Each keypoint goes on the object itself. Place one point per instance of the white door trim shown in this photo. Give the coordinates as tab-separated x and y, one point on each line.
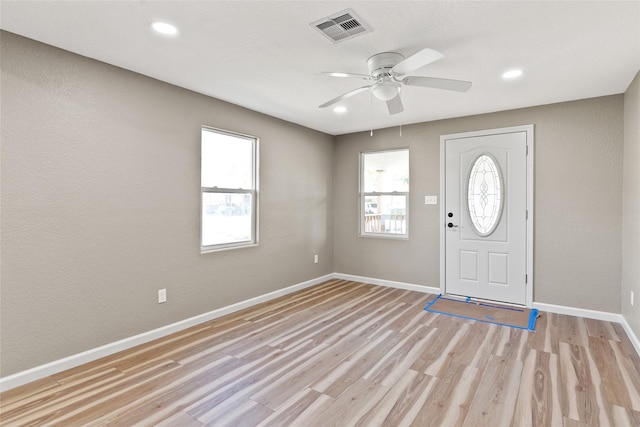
528	129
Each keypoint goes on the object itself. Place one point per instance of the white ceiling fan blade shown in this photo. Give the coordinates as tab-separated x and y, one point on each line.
358	76
344	96
395	105
420	59
437	83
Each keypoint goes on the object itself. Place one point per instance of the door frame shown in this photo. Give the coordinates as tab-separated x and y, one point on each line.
528	129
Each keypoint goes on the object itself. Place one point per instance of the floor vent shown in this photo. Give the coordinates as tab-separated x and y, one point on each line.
342	26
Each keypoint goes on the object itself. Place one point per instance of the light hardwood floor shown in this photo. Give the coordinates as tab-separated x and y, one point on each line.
345	353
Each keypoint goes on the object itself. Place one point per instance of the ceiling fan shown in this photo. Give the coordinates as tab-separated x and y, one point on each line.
389	72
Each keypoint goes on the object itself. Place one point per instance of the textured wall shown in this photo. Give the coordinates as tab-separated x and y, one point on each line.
100	205
578	201
631	206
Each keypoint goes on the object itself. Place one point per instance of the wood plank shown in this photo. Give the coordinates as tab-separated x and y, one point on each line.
629	372
538	401
512	343
445	358
181	419
486	346
572	330
352	405
438	344
397	361
237	387
405	395
249	413
277	392
448	401
314	324
292	409
349	353
17	394
347	372
552	337
598	329
537	339
628	347
579	393
470	349
307	416
495	397
613	383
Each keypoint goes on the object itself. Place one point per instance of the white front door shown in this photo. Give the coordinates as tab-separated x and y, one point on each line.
485	215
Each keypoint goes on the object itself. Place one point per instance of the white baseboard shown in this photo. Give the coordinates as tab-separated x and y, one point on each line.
580	312
632	336
39	372
42	371
388	283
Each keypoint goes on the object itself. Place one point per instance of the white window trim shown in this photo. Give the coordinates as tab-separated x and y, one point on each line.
363	195
254	241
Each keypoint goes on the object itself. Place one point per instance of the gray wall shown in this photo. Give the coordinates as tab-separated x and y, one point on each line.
578	201
100	205
631	206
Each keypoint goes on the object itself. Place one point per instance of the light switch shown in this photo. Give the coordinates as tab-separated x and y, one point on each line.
430	200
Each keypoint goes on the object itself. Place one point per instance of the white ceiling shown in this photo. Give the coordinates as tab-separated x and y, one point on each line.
265	56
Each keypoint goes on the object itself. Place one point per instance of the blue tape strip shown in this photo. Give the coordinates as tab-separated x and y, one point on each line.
533	316
432	302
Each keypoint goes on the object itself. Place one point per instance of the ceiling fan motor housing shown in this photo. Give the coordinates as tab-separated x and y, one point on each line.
381	64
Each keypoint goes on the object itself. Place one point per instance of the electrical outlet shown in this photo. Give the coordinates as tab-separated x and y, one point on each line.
632	298
315	259
162	296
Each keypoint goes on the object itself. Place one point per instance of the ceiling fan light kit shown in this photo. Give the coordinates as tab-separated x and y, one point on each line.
386	90
389	70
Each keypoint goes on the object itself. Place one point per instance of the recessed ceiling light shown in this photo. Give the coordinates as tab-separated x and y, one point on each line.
164	28
511	74
340	109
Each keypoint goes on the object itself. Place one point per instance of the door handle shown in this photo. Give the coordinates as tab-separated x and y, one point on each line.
451	225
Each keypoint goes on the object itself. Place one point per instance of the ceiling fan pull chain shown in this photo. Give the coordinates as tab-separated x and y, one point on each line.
371	111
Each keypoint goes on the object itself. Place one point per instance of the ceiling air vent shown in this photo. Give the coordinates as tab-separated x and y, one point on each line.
342	26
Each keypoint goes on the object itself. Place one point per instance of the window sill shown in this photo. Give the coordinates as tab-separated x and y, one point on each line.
227	248
385	236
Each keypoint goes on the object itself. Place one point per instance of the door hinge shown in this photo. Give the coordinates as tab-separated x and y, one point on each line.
526	278
527	150
527	215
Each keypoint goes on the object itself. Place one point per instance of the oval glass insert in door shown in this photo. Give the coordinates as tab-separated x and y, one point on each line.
485	194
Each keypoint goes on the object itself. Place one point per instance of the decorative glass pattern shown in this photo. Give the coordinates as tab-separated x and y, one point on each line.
484	194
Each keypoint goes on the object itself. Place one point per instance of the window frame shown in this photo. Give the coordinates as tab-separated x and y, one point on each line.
363	196
253	241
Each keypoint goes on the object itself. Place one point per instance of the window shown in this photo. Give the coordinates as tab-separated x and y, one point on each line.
484	195
384	193
228	190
